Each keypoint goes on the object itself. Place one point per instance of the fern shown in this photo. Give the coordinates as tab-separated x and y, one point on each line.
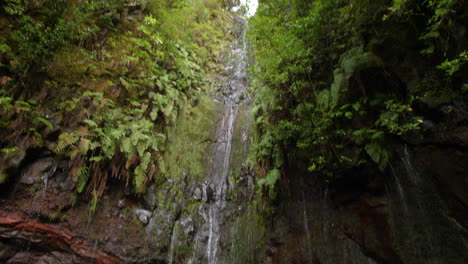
9	150
6	102
378	153
140	173
270	181
82	179
94	202
44	121
65	140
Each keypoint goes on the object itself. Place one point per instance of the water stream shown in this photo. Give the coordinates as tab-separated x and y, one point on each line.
232	91
216	186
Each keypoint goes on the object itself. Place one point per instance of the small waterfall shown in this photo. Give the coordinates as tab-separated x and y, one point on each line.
417	212
232	92
173	241
406	158
306	225
215	189
401	192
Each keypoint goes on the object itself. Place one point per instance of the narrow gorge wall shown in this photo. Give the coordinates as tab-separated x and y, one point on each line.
184	218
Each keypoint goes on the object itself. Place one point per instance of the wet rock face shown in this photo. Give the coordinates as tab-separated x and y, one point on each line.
40	170
6	251
418	218
150	200
447	167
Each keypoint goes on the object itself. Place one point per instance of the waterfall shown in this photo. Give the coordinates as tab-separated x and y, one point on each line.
417	212
232	92
306	226
215	189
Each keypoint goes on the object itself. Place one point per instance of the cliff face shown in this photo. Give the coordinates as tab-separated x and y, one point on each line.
188	213
412	213
362	182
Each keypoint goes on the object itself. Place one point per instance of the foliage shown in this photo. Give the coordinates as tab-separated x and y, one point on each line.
270	182
41	27
112	132
114	89
198	26
22	119
453	66
440	22
328	93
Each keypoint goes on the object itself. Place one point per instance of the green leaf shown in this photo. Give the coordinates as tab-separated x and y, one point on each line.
9	150
270	181
90	123
126	147
97	158
45	122
378	153
154	114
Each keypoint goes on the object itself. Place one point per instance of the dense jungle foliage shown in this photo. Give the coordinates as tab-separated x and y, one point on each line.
338	81
100	83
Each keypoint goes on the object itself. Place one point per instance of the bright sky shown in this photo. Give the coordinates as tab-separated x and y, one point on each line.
251	5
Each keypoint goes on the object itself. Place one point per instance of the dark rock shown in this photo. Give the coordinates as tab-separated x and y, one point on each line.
455	137
150	200
66	183
208	192
39	170
23	257
6	252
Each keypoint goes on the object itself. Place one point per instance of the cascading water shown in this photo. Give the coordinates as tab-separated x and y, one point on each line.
216	186
418	214
232	91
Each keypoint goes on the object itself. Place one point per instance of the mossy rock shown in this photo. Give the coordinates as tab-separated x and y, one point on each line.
70	64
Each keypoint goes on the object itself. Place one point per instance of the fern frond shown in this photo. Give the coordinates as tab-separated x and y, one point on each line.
45	122
94	202
65	140
82	179
139	179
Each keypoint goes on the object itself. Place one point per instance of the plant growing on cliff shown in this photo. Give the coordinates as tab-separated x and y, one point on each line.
270	181
113	135
317	106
